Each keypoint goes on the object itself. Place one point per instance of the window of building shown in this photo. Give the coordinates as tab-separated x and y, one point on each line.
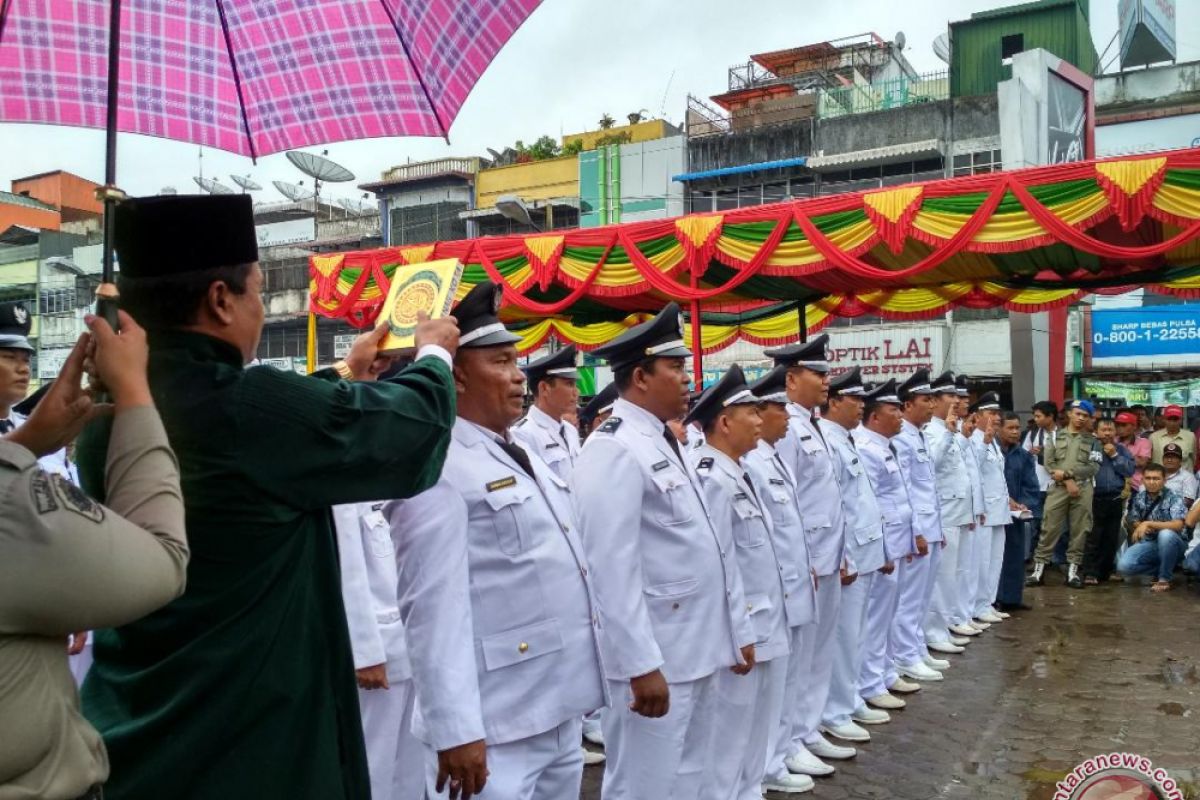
1011	45
979	163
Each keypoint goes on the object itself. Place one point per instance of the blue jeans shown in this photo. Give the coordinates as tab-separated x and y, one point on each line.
1153	556
1192	562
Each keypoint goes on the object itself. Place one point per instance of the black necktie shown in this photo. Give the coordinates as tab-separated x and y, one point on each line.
6	425
782	469
671	440
817	428
892	447
518	455
750	486
921	433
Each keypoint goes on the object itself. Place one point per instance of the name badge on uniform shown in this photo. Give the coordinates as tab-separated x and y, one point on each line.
777	481
741	496
503	483
805	438
660	466
704	463
553	444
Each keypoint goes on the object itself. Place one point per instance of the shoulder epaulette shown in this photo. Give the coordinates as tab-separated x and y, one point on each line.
705	463
610	425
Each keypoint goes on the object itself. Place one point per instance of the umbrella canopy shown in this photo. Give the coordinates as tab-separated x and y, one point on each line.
253	77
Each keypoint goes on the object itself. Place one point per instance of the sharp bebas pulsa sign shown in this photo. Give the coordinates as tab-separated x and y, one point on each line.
887	352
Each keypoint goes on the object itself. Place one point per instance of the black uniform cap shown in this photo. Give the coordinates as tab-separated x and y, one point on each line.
772	387
731	390
170	234
478	325
600	403
15	322
960	385
944	383
848	384
555	365
812	355
883	393
661	337
988	401
917	384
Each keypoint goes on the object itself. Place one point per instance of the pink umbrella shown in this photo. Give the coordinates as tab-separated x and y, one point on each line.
250	76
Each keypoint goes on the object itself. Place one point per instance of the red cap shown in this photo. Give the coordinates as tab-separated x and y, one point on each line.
1173	411
1127	418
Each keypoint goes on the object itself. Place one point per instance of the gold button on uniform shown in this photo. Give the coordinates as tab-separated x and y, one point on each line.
522	647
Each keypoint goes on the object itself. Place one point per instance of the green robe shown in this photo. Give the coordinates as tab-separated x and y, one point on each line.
244	687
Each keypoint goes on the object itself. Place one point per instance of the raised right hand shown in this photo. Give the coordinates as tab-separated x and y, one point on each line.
651	695
443	332
464	768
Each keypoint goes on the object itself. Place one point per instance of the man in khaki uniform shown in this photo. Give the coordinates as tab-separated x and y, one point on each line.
1173	432
1072	462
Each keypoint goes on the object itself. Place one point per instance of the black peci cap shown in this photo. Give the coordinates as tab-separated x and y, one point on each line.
172	234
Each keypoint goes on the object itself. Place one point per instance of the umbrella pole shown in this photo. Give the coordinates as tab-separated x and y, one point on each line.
106	293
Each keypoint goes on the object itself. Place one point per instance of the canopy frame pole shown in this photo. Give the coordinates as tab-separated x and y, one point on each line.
697	350
310	349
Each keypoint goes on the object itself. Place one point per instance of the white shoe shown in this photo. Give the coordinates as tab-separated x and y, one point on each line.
591	759
991	617
901	686
822	748
865	715
849	732
959	641
1001	614
918	672
965	630
944	647
805	763
789	784
979	625
886	701
595	737
936	663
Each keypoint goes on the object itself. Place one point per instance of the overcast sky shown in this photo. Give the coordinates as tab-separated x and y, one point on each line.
570	63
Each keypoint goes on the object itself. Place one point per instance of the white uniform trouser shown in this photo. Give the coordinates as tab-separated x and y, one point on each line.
657	758
814	692
848	648
799	668
546	766
747	707
907	637
396	759
968	571
881	612
943	605
989	557
82	662
591	722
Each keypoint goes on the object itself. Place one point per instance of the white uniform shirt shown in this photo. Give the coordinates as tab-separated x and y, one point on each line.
971	459
55	463
666	578
787	532
736	502
1045	440
369	580
864	521
891	492
496	597
953	480
1183	483
556	443
818	494
917	466
991	480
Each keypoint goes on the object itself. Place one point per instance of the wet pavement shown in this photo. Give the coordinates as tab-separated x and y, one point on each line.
1106	669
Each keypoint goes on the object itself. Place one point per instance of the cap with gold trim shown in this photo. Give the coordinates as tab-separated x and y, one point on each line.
661	337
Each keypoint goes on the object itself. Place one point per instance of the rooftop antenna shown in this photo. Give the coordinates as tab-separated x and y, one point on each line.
321	170
212	187
246	184
662	113
291	191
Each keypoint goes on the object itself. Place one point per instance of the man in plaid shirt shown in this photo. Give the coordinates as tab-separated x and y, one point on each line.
1155	525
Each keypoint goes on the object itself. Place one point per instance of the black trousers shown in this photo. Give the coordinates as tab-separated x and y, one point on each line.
1101	551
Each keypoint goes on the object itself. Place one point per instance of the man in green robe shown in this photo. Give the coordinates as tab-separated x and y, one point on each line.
244	687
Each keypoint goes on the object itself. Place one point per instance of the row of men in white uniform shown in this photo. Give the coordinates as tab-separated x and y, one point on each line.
726	607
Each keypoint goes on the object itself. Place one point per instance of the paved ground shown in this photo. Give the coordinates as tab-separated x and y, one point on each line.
1105	669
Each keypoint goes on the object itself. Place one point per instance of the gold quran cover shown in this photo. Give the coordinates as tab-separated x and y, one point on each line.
428	287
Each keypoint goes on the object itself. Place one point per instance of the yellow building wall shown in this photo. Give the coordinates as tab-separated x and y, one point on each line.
537	180
19	272
641	132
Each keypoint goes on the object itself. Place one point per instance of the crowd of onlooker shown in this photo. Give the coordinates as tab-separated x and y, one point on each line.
1144	497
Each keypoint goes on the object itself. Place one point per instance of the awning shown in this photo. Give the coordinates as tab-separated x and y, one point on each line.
761	166
532	205
1028	240
891	154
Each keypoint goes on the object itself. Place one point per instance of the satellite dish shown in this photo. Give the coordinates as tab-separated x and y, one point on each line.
212	187
901	40
246	183
941	47
168	190
319	167
291	191
349	204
